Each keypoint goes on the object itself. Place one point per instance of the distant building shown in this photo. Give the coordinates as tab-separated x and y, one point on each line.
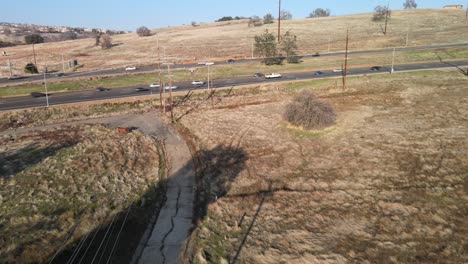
453	7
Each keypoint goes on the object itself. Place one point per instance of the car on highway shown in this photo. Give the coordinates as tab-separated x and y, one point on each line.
102	89
171	87
337	70
60	74
154	85
272	75
316	54
198	83
38	94
141	89
376	68
258	74
130	68
206	63
231	60
15	77
318	73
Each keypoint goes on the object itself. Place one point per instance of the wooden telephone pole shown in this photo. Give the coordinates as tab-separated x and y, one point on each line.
346	60
386	18
279	21
170	91
161	102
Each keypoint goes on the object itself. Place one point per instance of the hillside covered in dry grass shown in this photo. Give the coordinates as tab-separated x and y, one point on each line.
386	184
222	40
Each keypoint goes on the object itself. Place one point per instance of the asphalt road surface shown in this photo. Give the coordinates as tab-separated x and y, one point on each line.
152	68
130	91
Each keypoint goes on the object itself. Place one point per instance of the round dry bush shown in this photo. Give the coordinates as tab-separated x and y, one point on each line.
309	112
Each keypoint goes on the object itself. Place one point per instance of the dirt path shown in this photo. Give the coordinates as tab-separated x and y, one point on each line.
167	237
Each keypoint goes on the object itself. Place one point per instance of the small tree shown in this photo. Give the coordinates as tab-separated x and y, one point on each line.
7	32
255	21
289	46
265	46
309	112
285	15
33	39
97	37
143	31
225	18
410	4
320	12
380	12
195	24
69	35
268	19
30	68
106	41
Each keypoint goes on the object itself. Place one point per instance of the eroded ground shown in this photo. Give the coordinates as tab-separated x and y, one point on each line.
387	184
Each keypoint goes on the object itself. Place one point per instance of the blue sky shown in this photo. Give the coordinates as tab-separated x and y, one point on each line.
128	15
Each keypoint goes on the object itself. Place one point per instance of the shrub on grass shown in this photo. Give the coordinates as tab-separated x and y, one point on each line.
309	112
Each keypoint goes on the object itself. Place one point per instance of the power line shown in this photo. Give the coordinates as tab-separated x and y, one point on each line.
118	235
102	241
77	250
90	243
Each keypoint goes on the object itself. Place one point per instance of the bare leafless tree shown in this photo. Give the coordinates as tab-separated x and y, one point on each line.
410	4
106	41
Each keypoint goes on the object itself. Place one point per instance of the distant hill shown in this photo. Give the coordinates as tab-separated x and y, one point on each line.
13	33
234	39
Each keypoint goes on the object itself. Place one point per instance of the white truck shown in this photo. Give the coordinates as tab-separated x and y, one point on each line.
272	75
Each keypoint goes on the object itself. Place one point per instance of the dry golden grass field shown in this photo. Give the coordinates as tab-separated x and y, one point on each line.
386	184
74	180
219	41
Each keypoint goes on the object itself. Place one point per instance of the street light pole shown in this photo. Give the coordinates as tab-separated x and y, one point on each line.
45	86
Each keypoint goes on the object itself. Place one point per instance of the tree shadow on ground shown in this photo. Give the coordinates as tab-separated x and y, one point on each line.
120	239
15	161
217	169
460	69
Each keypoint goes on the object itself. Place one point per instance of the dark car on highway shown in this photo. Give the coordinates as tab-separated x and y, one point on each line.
60	74
102	89
141	89
38	94
316	54
318	73
230	60
259	74
376	68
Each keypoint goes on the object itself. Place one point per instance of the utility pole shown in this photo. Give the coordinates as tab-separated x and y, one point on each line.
34	54
279	20
407	36
346	60
393	61
208	77
386	17
253	50
63	64
9	67
45	85
170	91
466	14
161	102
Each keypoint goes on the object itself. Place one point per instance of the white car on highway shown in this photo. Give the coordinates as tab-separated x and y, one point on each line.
272	75
154	85
171	87
337	70
198	83
130	68
206	63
